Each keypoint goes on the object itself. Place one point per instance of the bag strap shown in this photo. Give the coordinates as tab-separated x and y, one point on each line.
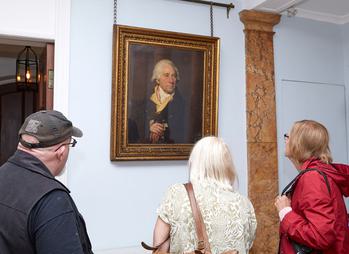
203	243
289	187
154	248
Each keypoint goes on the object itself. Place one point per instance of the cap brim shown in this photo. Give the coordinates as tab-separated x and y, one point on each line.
77	132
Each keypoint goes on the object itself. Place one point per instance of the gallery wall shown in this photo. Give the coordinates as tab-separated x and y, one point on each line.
345	40
119	199
309	61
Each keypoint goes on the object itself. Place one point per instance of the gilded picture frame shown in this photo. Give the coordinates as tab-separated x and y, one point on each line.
164	93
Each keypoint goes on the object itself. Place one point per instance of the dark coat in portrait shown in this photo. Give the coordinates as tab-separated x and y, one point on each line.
133	133
174	116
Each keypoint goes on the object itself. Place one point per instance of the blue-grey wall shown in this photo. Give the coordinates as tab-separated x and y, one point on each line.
345	40
119	199
309	57
308	50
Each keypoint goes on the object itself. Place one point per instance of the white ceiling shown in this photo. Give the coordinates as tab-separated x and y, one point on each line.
333	11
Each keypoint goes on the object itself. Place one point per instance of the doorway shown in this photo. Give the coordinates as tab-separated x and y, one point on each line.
327	105
17	102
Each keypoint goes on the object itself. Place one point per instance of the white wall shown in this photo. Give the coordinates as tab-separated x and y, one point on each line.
33	19
119	199
345	36
308	50
345	40
309	55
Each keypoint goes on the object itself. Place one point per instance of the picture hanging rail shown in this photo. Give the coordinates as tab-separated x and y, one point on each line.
211	3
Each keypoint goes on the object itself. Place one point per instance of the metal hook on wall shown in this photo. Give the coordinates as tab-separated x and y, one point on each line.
228	6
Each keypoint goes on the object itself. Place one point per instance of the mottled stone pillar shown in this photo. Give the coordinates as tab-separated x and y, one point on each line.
261	126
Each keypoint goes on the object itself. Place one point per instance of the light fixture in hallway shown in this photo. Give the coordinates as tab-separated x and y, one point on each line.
27	69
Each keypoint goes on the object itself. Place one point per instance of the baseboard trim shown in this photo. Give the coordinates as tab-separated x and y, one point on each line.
127	250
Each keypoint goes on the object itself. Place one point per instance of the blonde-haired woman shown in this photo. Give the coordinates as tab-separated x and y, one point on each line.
317	216
228	216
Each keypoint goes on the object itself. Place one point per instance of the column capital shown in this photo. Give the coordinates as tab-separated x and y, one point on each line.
260	21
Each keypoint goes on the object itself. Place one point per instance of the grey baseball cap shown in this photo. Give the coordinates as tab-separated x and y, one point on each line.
50	127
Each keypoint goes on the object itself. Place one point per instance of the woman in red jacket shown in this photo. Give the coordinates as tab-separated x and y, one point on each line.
313	213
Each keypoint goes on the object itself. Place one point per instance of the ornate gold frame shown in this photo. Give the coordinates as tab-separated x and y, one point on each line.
124	36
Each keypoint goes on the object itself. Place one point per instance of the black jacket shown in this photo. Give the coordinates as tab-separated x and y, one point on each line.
175	115
24	180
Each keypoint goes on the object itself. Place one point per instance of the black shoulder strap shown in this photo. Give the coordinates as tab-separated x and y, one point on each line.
289	187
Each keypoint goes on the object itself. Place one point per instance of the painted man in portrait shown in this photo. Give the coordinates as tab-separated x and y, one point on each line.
166	109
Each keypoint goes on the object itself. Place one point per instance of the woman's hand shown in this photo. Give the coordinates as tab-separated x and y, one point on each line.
281	202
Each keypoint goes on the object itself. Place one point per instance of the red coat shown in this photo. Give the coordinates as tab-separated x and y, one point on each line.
318	219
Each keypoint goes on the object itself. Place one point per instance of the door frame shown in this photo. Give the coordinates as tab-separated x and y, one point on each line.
59	34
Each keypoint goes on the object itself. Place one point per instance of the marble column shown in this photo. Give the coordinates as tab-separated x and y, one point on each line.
261	126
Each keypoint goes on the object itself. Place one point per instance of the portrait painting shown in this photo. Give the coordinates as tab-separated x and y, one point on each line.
164	93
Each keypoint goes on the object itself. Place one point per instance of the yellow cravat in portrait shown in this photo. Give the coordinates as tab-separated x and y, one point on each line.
160	101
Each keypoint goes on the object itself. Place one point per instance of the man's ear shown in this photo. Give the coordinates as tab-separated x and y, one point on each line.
60	152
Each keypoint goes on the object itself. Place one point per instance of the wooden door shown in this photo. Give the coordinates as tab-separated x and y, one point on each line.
46	78
17	103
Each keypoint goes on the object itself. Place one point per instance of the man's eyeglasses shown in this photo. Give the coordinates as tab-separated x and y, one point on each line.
71	144
286	136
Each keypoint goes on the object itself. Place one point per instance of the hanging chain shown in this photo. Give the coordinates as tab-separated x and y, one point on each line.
115	11
211	17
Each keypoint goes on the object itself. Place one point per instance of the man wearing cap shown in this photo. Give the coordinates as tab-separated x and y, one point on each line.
37	214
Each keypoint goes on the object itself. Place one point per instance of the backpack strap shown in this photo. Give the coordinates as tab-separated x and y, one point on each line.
289	187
